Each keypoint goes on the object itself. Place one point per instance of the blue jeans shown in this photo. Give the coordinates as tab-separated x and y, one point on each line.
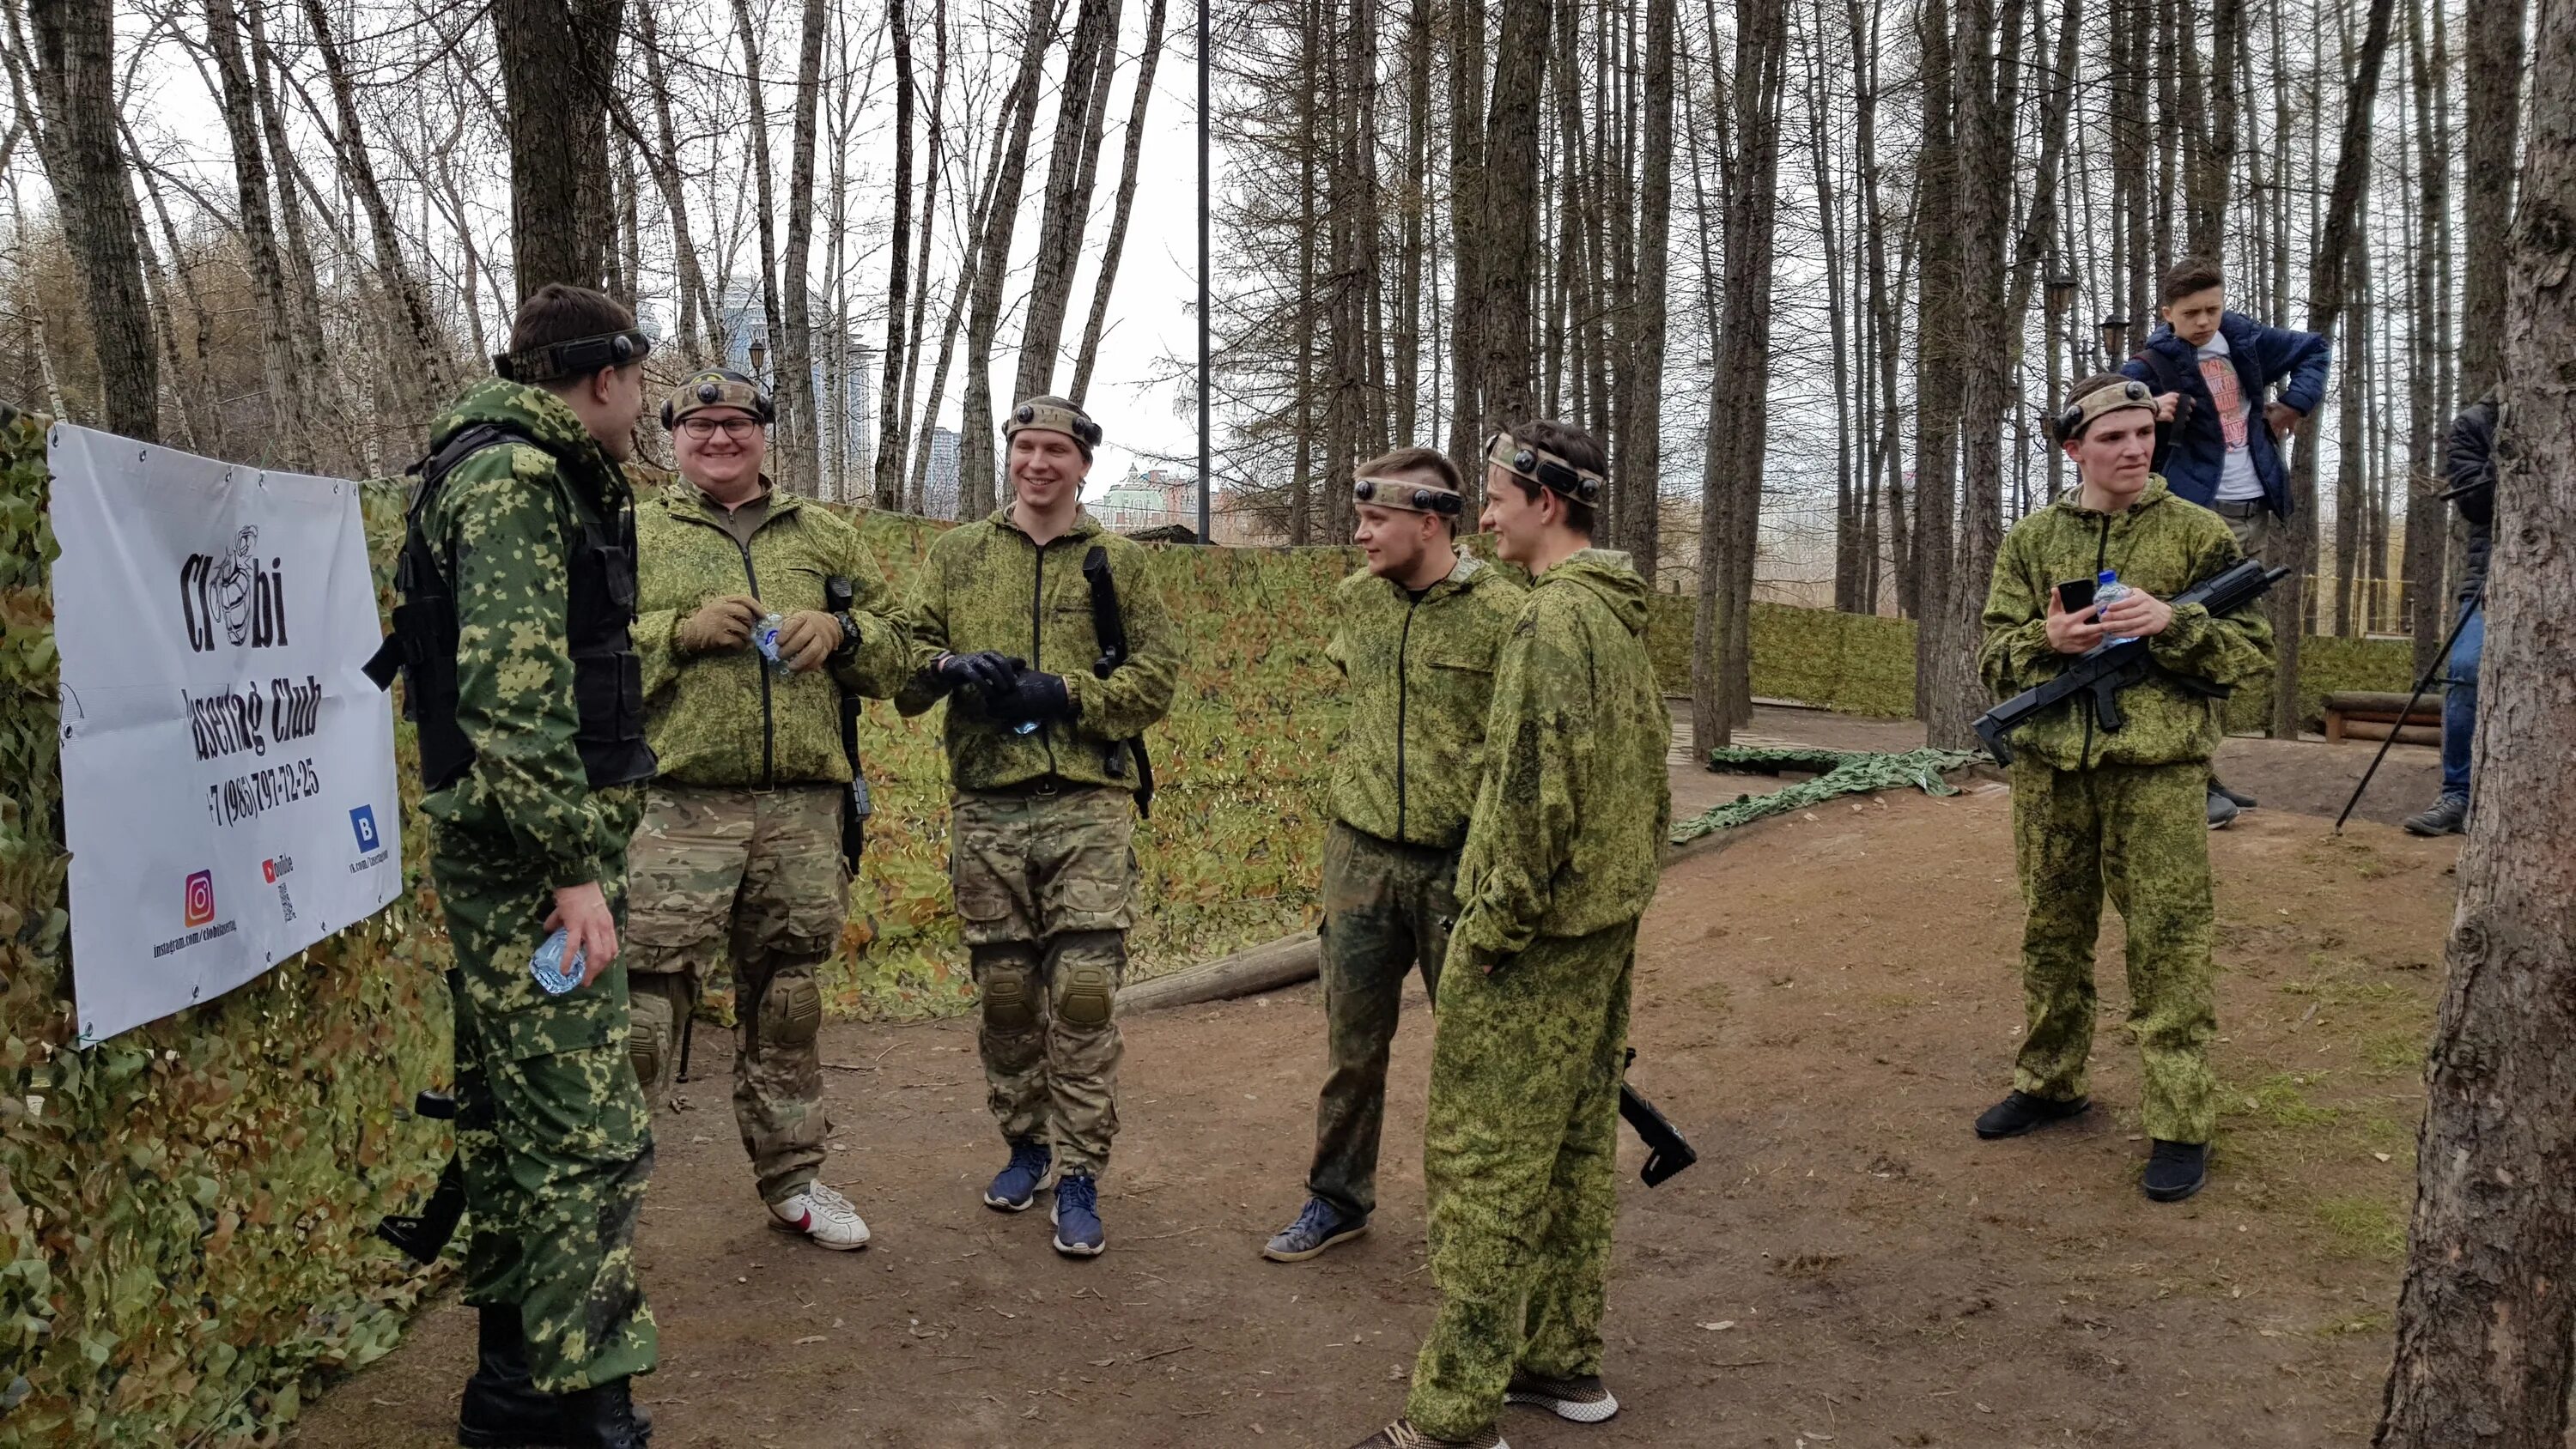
2460	703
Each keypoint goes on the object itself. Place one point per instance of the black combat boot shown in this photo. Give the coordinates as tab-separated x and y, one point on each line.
502	1409
603	1416
2021	1112
2175	1170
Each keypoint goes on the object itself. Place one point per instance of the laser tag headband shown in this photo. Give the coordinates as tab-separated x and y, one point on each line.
717	387
2078	415
1054	415
578	358
1529	460
1410	496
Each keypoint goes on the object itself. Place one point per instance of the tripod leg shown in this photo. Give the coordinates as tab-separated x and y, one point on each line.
2440	662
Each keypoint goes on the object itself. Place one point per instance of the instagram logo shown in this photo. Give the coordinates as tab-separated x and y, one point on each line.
201	898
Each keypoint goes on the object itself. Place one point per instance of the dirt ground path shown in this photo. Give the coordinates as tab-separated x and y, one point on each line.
1822	1004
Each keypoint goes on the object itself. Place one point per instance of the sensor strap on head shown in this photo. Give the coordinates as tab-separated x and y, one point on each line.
717	387
1408	495
1528	460
2079	414
1054	418
578	358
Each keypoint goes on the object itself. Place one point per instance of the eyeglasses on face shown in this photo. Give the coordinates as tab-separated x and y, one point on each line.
702	429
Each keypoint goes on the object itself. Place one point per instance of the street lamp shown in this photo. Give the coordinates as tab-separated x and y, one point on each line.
759	358
2115	340
2061	293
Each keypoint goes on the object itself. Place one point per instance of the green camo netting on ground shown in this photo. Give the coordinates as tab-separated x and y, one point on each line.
185	1210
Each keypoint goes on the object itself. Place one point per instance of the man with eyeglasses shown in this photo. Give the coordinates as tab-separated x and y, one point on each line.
1563	852
1416	633
740	857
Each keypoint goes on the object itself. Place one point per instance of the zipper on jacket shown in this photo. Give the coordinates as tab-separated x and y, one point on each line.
1403	643
768	726
2101	554
1037	639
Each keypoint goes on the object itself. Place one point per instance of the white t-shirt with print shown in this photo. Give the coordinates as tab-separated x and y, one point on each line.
2236	478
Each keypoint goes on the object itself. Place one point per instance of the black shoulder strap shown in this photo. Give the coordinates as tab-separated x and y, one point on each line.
435	465
2168	372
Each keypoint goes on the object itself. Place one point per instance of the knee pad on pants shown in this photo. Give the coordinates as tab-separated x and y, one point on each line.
1006	976
791	1010
653	1028
1088	965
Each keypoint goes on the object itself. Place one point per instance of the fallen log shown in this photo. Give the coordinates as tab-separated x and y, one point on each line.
1266	967
2409	734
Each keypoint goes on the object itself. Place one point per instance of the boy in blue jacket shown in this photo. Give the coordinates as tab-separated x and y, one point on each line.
2218	439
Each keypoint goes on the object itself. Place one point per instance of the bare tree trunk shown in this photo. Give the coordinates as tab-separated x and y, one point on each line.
556	57
72	70
2483	1319
2428	414
285	379
1506	227
764	179
922	248
1115	246
663	160
1642	437
1414	242
1467	243
1936	351
889	463
1072	161
2494	74
795	343
976	492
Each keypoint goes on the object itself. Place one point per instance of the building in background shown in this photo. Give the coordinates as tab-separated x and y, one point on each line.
844	391
1149	498
939	480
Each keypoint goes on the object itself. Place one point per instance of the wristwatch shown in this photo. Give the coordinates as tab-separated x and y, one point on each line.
849	634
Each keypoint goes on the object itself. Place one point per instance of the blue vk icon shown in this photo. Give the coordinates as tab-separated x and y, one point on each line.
363	821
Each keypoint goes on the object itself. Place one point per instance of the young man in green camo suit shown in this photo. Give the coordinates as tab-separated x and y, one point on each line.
2123	811
1046	758
1563	854
739	857
519	585
1417	632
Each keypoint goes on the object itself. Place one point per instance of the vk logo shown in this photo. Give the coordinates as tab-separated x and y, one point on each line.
363	821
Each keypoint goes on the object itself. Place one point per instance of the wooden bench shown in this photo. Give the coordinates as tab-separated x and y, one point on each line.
2362	714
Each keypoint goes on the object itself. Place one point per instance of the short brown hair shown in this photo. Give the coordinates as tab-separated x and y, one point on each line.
1575	446
2192	274
560	312
1413	460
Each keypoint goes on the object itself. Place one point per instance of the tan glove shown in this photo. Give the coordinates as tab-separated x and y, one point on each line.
718	624
807	637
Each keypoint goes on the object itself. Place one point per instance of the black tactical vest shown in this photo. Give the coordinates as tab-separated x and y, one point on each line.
608	675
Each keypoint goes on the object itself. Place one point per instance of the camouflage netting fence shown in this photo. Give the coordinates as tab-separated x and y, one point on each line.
185	1209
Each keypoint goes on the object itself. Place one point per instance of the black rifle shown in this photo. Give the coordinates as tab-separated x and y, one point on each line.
1110	626
838	596
2477	601
1666	1152
2100	673
424	1234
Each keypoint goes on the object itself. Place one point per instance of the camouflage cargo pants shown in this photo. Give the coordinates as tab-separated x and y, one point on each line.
552	1132
1520	1157
1045	886
1386	907
754	878
2141	832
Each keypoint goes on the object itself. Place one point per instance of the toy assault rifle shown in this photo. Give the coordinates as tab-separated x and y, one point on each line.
424	1234
2099	674
1109	625
1666	1152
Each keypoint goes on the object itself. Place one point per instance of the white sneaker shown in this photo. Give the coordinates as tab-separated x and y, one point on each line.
823	1215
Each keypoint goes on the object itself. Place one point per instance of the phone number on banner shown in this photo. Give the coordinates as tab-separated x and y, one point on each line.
246	797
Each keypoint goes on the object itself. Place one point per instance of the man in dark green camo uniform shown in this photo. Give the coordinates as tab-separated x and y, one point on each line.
2125	811
1417	633
518	578
1045	753
1563	854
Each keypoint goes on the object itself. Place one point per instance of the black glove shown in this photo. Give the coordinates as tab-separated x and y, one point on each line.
988	672
1031	697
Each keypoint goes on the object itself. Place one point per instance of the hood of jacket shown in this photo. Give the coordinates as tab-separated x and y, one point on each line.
541	416
1609	576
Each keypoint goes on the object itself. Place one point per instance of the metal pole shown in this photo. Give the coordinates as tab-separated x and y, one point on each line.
1205	436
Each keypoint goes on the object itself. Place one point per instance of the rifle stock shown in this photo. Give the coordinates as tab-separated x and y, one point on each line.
1667	1151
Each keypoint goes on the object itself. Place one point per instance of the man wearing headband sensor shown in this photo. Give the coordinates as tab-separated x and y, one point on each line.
1042	735
1563	852
1416	633
740	861
2123	812
518	583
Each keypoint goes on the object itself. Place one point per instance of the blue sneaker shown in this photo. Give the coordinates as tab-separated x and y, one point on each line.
1319	1227
1076	1216
1016	1186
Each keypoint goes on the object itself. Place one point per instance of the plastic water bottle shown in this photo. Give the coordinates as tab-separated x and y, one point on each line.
2108	590
764	637
551	970
1025	727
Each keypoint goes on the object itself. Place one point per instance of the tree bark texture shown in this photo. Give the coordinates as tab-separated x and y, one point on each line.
1115	245
74	65
889	460
2494	70
795	344
1071	162
976	481
555	73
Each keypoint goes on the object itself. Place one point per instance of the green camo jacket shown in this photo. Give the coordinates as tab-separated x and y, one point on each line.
728	719
987	585
1421	681
1574	805
499	526
2163	545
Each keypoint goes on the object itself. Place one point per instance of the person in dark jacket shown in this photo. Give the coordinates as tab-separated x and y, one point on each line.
2471	474
2217	438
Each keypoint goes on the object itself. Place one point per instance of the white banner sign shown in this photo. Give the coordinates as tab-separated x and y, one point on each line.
228	771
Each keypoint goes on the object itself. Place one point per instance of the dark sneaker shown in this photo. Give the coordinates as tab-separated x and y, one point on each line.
1319	1227
1076	1216
1401	1435
2449	816
2237	798
1579	1400
2021	1112
1016	1185
2175	1170
2222	810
